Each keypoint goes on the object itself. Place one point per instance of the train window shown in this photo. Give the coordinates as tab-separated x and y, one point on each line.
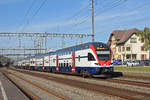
61	65
67	65
46	61
90	57
64	64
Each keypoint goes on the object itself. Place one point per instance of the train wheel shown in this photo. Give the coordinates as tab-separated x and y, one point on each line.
50	71
86	74
90	75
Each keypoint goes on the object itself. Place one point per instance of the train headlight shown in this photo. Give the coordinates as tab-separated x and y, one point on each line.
96	63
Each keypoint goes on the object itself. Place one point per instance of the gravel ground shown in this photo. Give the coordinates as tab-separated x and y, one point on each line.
117	85
136	73
71	92
133	79
39	93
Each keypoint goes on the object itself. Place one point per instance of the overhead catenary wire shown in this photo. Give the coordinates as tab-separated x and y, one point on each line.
32	17
26	15
114	5
24	18
78	12
85	19
74	16
135	20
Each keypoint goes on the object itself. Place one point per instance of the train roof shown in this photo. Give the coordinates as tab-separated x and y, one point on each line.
83	46
70	49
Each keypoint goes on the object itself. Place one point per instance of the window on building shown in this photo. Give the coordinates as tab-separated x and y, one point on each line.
133	40
123	49
134	56
145	56
90	57
119	49
142	40
142	48
128	48
142	57
128	56
114	50
119	56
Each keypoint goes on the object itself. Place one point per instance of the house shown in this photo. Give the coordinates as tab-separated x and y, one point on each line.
126	45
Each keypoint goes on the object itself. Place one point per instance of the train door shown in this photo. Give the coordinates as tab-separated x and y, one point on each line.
43	67
36	63
49	60
73	62
57	65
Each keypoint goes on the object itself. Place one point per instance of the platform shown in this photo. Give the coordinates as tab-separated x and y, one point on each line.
8	91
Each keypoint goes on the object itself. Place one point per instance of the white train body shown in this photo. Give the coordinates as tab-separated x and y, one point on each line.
92	58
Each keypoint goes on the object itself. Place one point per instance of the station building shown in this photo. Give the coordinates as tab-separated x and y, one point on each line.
126	45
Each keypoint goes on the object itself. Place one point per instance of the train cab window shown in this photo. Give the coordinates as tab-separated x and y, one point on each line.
90	57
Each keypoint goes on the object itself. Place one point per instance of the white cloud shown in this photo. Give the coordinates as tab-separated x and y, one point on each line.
116	15
43	26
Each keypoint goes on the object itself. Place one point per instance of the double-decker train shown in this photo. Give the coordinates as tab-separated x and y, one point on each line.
93	58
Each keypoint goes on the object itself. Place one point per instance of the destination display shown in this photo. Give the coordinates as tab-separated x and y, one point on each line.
101	48
103	52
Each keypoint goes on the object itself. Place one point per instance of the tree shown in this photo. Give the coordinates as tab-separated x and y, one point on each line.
145	34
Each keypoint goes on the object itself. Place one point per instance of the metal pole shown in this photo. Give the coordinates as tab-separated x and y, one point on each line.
93	33
63	42
45	44
19	42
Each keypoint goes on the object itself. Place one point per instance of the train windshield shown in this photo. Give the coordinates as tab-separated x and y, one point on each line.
103	55
103	51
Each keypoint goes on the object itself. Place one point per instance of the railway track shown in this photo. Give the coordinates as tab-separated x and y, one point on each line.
123	93
28	93
129	82
137	77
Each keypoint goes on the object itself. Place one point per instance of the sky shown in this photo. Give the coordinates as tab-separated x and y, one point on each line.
69	16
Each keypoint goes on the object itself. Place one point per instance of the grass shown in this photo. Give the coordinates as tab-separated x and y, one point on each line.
142	68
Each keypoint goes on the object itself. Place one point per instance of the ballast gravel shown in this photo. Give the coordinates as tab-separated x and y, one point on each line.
136	73
116	85
36	91
133	79
71	92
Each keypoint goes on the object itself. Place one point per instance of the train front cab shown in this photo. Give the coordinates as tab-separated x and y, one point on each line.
100	60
